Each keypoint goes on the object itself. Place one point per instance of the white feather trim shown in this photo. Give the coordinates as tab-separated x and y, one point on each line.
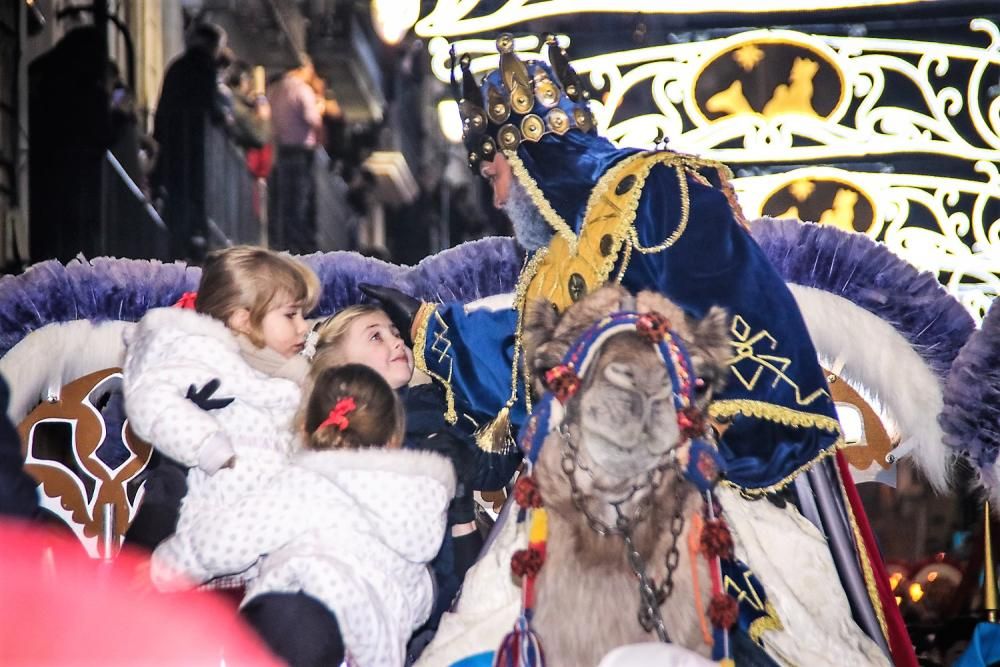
879	360
56	354
503	301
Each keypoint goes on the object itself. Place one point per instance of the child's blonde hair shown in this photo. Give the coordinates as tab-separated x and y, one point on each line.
351	407
256	279
332	331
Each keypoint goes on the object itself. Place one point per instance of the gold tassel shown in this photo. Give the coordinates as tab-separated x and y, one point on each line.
496	437
989	574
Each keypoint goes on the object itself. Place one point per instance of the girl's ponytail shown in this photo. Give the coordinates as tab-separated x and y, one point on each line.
352	407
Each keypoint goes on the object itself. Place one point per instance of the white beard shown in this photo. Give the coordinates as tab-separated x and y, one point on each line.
530	228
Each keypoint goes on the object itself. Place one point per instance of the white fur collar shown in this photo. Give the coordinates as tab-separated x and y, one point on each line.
417	463
187	321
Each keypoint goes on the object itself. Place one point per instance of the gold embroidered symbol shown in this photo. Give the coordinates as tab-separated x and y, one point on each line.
745	346
745	593
441	339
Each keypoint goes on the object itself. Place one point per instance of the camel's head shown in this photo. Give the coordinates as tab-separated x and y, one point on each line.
624	414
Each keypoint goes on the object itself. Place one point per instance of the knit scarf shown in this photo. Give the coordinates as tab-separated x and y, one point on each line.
271	363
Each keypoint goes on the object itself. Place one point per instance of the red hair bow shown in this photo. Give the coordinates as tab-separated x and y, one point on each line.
338	415
187	300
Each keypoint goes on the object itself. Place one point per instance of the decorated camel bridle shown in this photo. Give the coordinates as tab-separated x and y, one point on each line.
694	458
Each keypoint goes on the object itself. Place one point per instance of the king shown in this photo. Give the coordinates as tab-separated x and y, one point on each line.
588	214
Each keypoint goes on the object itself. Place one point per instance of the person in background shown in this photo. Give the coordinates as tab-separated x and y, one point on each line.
297	122
18	491
189	99
251	112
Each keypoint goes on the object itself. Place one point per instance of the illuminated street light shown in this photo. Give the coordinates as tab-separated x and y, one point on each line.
392	19
450	120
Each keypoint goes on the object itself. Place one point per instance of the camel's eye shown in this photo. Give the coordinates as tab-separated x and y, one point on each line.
620	375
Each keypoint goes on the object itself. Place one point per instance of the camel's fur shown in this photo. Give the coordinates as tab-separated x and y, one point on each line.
587	595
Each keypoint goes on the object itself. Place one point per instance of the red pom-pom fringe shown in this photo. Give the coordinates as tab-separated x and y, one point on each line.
562	381
691	422
526	493
723	611
527	562
653	326
716	540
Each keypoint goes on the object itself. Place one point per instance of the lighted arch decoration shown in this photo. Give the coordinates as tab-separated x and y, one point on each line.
961	250
671	72
450	18
789	123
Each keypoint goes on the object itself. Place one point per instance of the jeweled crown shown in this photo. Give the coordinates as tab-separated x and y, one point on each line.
520	101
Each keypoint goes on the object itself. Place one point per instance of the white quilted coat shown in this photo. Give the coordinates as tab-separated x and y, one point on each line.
353	528
172	349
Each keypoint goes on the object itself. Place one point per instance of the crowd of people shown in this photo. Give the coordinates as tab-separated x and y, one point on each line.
278	128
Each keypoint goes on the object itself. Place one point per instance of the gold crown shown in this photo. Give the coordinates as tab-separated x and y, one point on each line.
520	101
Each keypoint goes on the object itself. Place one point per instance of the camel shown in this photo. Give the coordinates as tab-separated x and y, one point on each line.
618	439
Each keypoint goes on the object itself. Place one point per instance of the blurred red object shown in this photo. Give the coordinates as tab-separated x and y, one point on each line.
259	160
187	300
60	607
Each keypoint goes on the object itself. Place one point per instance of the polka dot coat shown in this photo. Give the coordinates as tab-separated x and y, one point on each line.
354	529
171	350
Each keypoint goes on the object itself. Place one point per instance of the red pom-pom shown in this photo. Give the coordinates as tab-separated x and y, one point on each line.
527	562
691	422
562	381
526	493
653	326
723	611
187	300
716	540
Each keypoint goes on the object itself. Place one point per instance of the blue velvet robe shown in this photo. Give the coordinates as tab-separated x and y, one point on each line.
781	415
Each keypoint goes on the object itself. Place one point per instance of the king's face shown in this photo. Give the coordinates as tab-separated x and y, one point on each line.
499	175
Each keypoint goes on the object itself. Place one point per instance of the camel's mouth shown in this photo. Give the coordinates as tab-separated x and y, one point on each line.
622	463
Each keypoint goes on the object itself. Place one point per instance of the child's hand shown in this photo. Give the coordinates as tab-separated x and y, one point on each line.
203	397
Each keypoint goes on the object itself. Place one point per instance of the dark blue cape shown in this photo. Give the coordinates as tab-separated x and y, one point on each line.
781	417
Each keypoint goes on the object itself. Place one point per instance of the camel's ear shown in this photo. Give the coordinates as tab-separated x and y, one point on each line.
709	347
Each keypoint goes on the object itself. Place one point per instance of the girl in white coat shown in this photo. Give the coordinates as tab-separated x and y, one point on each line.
216	388
351	523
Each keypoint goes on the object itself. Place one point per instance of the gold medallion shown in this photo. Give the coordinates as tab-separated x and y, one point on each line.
558	121
532	127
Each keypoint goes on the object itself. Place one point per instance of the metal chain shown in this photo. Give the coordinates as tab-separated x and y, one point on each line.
650	617
673	554
651	596
570	463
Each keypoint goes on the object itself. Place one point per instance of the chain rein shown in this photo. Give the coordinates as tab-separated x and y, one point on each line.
651	596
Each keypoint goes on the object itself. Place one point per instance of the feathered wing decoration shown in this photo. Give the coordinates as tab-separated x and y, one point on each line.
60	322
468	272
97	290
971	415
884	325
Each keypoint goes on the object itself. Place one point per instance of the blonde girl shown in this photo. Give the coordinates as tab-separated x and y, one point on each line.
217	387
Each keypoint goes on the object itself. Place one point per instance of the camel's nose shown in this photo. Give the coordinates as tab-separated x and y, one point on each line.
649	384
